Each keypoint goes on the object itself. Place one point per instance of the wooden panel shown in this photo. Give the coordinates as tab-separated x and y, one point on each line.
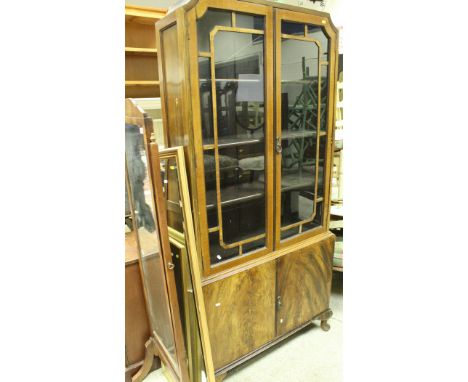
140	35
241	313
141	91
136	323
304	284
131	249
141	68
173	79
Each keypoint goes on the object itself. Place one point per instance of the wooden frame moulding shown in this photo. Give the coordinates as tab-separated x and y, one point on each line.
178	154
279	128
154	347
177	369
177	239
162	24
152	153
189	13
192	16
325	22
239	243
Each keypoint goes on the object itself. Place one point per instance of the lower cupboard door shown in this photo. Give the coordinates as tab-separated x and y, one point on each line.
303	285
240	311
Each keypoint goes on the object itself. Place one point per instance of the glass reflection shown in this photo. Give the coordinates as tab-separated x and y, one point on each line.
239	77
205	25
148	236
299	105
317	33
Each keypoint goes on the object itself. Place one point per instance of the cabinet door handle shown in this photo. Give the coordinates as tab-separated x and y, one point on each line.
170	265
279	302
278	146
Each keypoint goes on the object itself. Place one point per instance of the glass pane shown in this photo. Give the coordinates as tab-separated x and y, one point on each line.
210	19
148	236
239	87
217	253
241	145
318	33
171	192
210	187
299	120
292	28
318	219
250	21
323	98
128	213
322	161
206	105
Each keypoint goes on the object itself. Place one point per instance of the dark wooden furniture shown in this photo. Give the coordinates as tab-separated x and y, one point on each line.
248	90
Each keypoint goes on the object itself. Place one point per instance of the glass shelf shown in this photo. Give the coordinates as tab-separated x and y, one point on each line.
298	134
236	193
297	179
234	140
231	80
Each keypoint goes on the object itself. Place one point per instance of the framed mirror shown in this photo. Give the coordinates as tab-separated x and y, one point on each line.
145	199
187	270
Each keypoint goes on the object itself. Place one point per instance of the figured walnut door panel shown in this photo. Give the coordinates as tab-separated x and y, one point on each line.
241	313
304	284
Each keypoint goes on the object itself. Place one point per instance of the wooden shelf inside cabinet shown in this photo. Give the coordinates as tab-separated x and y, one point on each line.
142	51
141	55
143	15
141	83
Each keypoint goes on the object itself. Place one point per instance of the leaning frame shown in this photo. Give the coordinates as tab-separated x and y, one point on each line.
195	268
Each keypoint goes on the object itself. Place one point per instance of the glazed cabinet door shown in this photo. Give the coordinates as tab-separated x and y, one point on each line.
235	175
303	285
304	106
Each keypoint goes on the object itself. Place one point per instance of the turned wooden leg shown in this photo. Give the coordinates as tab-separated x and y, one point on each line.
220	377
324	317
325	325
147	363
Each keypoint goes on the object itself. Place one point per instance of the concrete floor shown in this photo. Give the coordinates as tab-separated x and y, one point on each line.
310	355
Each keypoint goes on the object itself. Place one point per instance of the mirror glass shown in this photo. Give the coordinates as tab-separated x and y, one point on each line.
146	227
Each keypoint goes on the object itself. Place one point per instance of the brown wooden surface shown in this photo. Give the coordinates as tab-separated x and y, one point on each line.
245	320
241	313
141	57
159	204
157	275
137	329
319	19
172	77
304	284
131	249
141	68
139	35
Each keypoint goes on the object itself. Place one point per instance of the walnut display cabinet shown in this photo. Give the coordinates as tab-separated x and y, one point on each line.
248	90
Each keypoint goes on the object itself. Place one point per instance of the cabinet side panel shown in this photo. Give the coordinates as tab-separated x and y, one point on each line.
241	313
136	322
172	70
304	284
